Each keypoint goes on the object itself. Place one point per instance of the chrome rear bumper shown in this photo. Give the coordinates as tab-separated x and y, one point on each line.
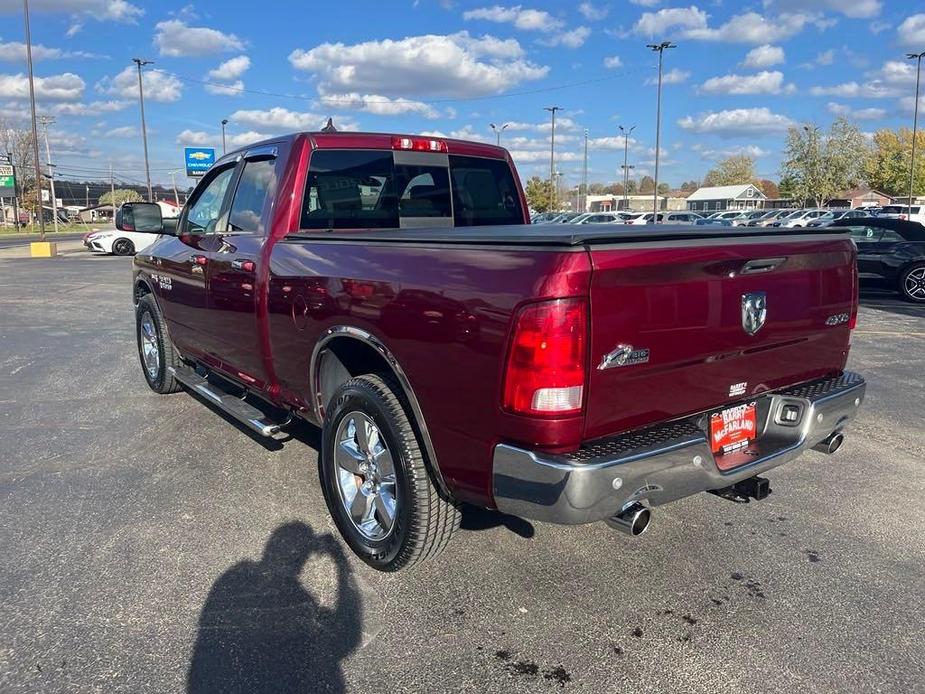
666	462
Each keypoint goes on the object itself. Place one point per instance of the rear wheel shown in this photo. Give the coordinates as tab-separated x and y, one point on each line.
123	247
155	350
375	482
912	283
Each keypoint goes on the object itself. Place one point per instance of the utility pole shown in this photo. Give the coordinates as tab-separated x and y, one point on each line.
112	192
87	191
915	120
552	154
498	130
584	176
140	62
35	130
224	123
626	167
9	158
51	173
660	49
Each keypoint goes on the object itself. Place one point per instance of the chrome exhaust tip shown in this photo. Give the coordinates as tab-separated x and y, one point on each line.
831	444
633	520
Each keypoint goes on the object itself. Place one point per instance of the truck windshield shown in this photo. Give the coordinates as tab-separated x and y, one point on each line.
363	189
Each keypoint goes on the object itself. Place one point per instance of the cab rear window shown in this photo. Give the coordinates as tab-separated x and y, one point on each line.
362	189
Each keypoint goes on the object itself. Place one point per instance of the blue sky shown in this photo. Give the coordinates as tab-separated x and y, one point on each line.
741	74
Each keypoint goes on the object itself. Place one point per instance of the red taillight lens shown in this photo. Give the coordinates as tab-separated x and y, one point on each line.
546	363
418	144
856	299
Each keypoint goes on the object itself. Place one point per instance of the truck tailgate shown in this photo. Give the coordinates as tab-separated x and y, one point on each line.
676	309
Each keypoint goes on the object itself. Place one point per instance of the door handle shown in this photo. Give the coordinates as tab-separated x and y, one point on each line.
199	259
244	265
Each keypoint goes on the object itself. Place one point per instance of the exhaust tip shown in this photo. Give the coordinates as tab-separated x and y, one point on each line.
632	521
831	444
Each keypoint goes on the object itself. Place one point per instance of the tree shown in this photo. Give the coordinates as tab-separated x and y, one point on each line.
539	194
819	167
689	186
122	195
18	142
887	167
731	171
631	187
647	185
769	188
596	188
664	189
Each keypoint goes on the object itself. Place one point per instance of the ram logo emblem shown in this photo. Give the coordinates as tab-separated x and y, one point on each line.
754	311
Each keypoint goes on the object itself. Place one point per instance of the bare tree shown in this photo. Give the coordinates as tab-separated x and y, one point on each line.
18	142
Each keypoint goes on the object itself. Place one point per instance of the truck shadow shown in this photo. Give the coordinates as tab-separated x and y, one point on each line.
475	518
890	302
261	630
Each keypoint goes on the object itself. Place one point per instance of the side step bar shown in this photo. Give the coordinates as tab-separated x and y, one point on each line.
245	413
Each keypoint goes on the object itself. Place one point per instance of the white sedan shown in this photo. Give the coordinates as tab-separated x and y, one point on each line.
118	242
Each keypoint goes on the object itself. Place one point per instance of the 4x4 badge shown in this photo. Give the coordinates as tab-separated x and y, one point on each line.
623	355
754	311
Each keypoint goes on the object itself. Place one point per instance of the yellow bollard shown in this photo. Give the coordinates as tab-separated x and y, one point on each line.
43	249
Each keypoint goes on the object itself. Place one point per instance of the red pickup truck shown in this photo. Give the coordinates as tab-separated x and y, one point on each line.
391	290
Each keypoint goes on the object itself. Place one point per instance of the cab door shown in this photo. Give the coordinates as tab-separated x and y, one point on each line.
234	335
181	272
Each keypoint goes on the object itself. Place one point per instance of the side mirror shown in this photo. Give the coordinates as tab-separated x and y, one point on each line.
143	217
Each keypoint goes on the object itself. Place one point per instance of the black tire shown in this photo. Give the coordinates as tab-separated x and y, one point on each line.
912	283
159	379
423	520
123	247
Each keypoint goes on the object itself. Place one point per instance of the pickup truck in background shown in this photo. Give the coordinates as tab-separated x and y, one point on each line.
390	290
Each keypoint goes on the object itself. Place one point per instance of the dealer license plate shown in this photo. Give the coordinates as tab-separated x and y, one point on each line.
733	428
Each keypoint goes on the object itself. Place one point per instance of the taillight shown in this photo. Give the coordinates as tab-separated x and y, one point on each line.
546	363
418	144
856	298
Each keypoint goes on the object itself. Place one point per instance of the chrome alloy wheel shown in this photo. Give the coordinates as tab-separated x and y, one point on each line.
150	347
365	476
914	283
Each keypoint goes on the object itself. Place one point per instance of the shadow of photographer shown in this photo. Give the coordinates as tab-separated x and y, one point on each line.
262	631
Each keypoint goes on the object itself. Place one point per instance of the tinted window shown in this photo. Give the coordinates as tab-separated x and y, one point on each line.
257	184
865	233
205	210
484	192
425	191
349	190
892	236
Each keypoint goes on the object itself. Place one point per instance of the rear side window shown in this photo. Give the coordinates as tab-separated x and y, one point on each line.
350	189
484	192
257	185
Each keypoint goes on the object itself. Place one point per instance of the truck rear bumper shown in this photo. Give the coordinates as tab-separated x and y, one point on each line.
666	462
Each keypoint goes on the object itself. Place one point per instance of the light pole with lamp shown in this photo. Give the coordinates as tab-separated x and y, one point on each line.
498	130
224	123
144	131
917	57
552	154
660	49
625	167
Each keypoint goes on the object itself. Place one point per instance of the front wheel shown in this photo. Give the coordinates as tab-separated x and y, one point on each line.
375	481
123	247
155	350
912	284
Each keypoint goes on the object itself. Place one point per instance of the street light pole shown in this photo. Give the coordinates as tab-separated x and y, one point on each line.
51	174
176	195
224	123
552	153
140	62
660	49
498	130
584	177
626	168
35	130
9	158
915	120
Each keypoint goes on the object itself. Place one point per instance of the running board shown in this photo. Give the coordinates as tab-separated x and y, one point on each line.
245	413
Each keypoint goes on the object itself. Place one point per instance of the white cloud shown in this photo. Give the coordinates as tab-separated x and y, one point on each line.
524	19
94	108
159	86
853	90
613	62
879	27
673	76
378	105
280	119
856	114
15	51
711	153
763	56
234	88
231	69
764	82
645	3
612	143
752	27
198	138
826	57
593	13
737	122
911	32
456	65
907	104
175	38
665	21
246	138
101	10
574	38
563	123
64	87
849	8
123	131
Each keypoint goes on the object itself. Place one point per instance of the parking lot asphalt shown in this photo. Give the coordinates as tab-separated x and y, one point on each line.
149	545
